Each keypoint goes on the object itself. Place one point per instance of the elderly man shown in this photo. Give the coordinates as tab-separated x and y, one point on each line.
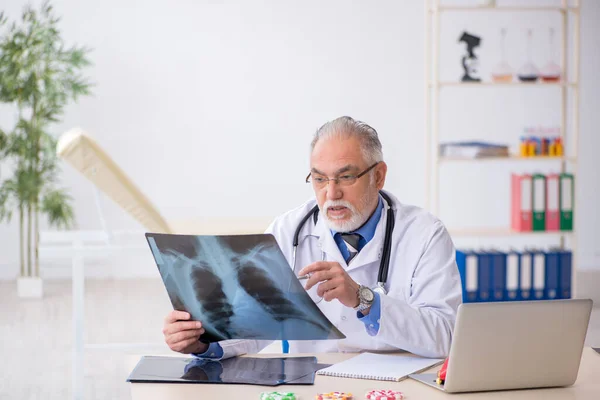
343	253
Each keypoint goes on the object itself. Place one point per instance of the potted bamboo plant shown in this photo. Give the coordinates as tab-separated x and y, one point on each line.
39	77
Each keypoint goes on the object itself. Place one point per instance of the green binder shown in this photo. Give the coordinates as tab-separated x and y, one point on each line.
567	193
538	198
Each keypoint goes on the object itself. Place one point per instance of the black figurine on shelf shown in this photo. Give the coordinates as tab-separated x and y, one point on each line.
469	61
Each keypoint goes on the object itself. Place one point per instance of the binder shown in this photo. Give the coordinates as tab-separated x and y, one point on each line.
498	275
552	200
538	202
521	216
539	274
467	267
551	290
461	262
533	274
513	267
484	281
566	201
565	278
526	275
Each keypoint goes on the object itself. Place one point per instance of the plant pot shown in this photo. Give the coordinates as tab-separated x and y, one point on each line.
30	287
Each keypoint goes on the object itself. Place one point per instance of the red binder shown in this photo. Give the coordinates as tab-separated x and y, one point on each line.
521	204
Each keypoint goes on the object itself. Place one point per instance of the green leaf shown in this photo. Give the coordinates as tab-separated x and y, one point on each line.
57	205
3	143
7	199
40	75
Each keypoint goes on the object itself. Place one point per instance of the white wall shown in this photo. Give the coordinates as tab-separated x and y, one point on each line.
209	106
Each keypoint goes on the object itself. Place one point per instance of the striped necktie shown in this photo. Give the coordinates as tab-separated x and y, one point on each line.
351	240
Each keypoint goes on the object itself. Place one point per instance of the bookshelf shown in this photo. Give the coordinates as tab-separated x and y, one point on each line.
441	8
511	158
475	85
568	86
499	232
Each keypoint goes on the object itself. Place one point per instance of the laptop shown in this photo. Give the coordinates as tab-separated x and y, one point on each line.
515	345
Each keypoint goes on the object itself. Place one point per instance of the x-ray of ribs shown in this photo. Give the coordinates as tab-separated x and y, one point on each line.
261	287
237	290
209	292
171	282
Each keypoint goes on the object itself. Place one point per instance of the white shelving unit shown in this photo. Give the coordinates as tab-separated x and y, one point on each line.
433	86
511	158
476	85
494	8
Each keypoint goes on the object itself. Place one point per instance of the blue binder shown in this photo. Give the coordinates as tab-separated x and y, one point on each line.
565	259
467	267
484	281
513	276
551	290
526	276
461	263
498	275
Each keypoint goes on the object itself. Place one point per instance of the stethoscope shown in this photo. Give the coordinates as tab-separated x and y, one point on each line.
387	245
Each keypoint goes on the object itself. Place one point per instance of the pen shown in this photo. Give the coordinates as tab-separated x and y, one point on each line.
303	277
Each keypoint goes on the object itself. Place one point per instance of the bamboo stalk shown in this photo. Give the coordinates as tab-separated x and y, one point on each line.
36	236
34	196
36	225
21	210
21	240
29	240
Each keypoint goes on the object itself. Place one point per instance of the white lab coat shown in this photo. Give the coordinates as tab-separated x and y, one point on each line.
423	286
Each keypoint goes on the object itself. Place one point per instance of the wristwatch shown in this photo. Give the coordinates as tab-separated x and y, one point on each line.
366	296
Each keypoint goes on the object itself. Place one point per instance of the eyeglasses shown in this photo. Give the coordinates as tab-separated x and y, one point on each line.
344	180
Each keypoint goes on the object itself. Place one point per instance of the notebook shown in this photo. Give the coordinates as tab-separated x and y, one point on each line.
382	367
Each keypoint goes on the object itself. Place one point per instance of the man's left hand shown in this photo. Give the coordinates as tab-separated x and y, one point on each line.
335	282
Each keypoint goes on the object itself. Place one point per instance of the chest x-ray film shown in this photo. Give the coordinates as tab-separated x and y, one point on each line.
239	287
245	370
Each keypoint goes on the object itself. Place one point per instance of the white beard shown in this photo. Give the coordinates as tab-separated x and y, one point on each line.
356	219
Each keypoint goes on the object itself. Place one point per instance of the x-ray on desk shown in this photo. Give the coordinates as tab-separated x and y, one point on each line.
587	386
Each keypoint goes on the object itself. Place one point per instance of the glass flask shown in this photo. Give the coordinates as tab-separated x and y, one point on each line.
528	71
502	72
551	71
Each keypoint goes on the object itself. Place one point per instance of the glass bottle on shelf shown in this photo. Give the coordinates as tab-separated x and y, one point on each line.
528	72
551	71
502	72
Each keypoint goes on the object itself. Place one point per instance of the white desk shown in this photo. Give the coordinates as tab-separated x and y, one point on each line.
587	386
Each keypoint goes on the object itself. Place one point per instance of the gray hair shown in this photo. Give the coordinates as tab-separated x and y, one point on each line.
345	127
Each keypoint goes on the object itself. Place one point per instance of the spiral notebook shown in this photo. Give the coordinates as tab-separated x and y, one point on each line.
382	367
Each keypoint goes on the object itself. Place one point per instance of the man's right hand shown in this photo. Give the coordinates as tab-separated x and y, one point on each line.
182	334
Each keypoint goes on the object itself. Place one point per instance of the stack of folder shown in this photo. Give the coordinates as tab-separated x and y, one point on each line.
473	150
531	274
542	202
